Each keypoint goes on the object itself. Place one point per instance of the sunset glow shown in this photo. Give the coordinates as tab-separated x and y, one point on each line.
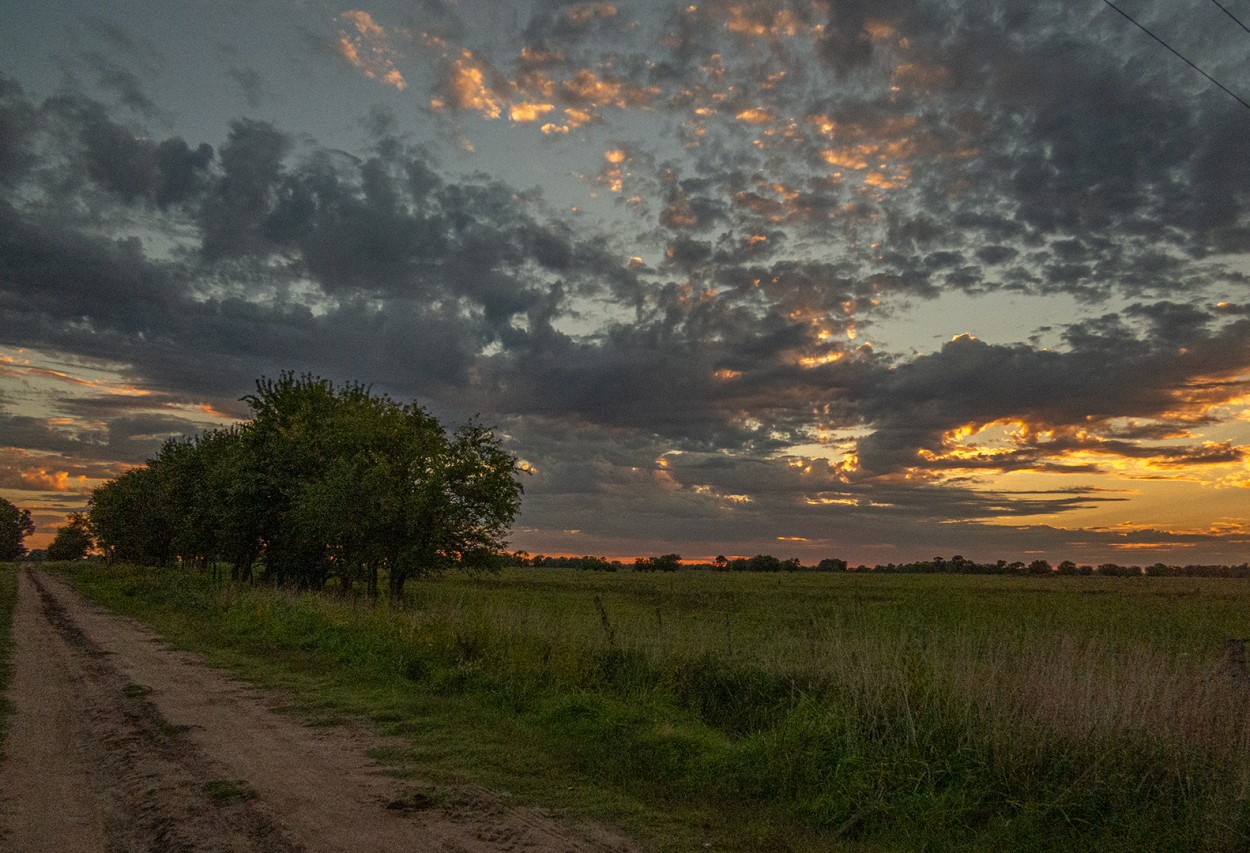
780	277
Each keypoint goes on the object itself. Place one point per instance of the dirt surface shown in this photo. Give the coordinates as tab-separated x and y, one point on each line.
118	743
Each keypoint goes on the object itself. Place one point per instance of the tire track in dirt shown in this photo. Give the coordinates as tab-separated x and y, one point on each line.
93	765
118	743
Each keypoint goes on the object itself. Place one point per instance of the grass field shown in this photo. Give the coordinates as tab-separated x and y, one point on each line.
774	712
8	597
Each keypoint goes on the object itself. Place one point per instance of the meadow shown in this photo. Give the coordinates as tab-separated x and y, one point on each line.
794	711
8	598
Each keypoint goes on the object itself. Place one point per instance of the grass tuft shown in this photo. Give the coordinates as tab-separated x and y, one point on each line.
227	791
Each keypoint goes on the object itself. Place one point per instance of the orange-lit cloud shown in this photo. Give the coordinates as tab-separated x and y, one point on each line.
588	88
469	87
1018	445
613	173
756	115
370	49
528	111
42	480
213	412
70	379
583	13
767	21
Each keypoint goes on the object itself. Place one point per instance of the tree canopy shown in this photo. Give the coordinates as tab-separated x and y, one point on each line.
324	482
15	525
73	540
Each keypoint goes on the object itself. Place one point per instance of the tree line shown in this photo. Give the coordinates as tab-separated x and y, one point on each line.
938	565
324	483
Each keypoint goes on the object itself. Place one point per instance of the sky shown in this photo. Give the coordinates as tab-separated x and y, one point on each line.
814	278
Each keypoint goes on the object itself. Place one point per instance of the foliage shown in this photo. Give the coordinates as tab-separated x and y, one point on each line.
786	711
662	563
132	522
15	525
8	601
957	565
324	482
73	539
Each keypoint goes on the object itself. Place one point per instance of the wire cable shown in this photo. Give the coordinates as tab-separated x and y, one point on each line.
1224	9
1178	54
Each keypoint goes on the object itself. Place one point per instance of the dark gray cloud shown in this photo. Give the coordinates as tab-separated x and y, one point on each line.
130	438
791	179
16	119
250	84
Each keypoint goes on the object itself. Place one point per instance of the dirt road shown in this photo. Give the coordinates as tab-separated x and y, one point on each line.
119	743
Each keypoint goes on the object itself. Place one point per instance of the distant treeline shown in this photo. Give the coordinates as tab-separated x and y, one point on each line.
324	483
956	565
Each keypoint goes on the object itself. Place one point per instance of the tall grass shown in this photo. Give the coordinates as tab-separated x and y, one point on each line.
793	711
8	598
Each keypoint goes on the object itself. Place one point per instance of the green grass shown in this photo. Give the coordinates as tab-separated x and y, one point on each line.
225	791
793	711
8	598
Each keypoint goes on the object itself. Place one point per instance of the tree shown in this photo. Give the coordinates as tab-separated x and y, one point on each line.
131	522
15	525
662	563
73	540
325	482
764	563
354	483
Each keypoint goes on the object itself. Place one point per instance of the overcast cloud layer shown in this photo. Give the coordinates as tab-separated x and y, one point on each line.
878	280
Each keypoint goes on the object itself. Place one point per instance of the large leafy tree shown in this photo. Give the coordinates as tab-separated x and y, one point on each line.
359	483
130	519
73	539
325	482
15	525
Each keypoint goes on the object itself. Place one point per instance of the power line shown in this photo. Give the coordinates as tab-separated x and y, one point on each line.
1224	9
1178	54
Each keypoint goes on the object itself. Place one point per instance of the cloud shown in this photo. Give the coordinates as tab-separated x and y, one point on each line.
777	185
1107	375
16	127
370	49
250	84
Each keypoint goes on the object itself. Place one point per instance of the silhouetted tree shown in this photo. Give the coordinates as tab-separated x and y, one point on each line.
15	525
324	482
662	563
130	520
73	540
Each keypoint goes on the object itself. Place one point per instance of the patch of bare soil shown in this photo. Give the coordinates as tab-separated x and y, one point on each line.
119	743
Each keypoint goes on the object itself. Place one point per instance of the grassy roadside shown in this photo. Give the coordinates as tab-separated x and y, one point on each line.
8	598
774	713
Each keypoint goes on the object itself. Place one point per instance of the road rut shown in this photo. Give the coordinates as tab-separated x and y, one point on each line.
119	743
